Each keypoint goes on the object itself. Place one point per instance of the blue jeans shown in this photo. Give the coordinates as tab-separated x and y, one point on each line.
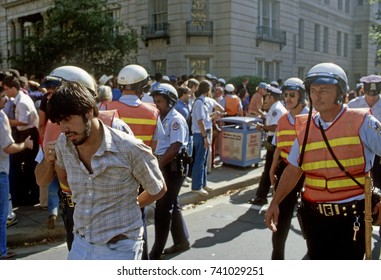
4	193
53	199
126	249
199	169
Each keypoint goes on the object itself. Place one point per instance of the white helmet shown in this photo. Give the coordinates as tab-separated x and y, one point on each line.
326	73
73	74
295	84
167	90
229	88
221	81
132	74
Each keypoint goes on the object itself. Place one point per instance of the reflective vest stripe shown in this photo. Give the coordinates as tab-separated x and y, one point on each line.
285	132
332	163
283	154
139	121
285	144
332	184
344	141
144	137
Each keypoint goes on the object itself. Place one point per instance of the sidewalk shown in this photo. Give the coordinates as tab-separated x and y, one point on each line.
31	227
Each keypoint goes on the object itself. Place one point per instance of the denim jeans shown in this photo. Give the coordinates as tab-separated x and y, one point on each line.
126	249
4	193
199	170
53	199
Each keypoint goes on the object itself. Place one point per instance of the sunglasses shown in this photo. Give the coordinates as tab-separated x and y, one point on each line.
291	94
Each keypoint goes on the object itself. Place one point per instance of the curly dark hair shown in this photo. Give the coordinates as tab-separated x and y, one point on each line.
71	98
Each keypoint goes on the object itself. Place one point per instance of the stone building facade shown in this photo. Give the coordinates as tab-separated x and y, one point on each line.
271	39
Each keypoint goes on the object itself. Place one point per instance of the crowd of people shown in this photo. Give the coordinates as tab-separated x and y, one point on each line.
91	149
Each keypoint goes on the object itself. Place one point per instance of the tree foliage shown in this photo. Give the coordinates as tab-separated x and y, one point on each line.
81	33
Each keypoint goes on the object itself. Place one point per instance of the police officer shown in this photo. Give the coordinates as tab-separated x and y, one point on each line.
295	101
143	118
170	152
332	199
371	100
276	110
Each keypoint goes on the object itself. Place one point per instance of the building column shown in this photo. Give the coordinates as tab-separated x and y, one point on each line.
12	37
18	36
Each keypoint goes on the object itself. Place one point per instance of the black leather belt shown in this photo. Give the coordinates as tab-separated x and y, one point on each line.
117	238
336	209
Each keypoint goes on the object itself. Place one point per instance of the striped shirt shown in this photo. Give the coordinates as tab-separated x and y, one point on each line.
106	200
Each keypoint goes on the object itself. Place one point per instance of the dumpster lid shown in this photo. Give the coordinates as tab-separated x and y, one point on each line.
241	120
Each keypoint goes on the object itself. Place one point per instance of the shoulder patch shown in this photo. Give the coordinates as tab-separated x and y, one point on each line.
175	125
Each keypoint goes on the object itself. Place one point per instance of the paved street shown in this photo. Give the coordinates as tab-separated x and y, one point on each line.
223	228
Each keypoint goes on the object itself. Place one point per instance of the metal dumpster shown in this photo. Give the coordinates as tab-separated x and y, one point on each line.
240	141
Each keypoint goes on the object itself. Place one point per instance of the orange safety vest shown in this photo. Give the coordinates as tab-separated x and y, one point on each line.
285	136
324	180
53	130
231	105
141	119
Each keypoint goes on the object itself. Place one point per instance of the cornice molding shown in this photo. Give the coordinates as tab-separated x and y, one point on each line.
16	3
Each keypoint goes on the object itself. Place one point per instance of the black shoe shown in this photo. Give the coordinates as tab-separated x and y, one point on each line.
177	248
8	255
258	201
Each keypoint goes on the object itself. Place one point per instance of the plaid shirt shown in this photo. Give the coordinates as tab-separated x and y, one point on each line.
106	200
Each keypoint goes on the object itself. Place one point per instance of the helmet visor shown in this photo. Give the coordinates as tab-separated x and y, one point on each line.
51	82
290	87
322	78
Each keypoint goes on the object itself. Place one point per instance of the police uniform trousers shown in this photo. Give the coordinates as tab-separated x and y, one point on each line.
168	216
265	183
286	212
376	171
330	236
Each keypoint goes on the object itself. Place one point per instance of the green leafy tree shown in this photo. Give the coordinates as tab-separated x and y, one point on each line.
81	33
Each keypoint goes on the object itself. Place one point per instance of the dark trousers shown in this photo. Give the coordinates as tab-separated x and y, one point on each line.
286	212
67	212
168	216
331	237
23	187
265	183
376	172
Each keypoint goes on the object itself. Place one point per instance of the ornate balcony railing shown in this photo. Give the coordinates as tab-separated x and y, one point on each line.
155	31
271	35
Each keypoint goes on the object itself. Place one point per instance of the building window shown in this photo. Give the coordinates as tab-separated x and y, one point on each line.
268	13
317	38
340	4
338	43
268	70
159	13
347	7
325	40
360	2
199	66
301	33
346	44
160	66
199	10
358	41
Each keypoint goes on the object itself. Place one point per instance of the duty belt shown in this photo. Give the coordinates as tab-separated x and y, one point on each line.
336	209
